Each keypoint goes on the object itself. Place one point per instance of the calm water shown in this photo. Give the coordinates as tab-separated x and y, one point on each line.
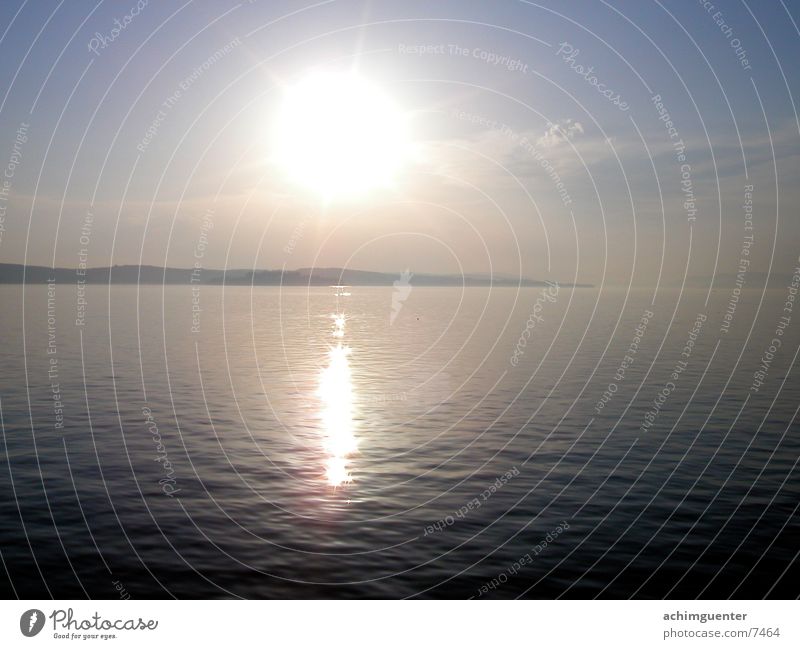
382	443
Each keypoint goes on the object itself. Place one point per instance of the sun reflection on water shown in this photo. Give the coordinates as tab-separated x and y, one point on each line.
336	393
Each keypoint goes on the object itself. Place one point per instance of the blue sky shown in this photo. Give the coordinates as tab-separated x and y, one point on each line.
474	198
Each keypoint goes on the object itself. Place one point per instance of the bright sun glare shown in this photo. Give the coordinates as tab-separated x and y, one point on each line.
336	393
338	134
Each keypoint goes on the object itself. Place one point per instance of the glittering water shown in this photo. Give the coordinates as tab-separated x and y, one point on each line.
346	443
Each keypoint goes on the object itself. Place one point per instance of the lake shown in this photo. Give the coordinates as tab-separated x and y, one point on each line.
393	442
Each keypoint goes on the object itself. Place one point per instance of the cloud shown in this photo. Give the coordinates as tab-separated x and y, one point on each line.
564	129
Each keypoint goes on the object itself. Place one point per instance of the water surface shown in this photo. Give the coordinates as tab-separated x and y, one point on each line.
289	442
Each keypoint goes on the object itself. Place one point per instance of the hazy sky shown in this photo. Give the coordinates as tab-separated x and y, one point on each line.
523	159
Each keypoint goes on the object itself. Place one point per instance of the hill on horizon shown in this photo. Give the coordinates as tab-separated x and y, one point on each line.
146	274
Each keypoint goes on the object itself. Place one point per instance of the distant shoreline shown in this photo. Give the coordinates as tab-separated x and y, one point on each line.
132	274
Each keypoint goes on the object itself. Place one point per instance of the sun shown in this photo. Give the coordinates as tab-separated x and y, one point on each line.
338	134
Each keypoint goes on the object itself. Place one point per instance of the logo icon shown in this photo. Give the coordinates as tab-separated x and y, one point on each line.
31	622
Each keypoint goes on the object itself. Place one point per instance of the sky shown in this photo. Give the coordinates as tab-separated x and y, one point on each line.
623	143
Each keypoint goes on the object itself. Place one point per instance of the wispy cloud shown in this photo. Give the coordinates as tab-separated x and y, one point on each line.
564	129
